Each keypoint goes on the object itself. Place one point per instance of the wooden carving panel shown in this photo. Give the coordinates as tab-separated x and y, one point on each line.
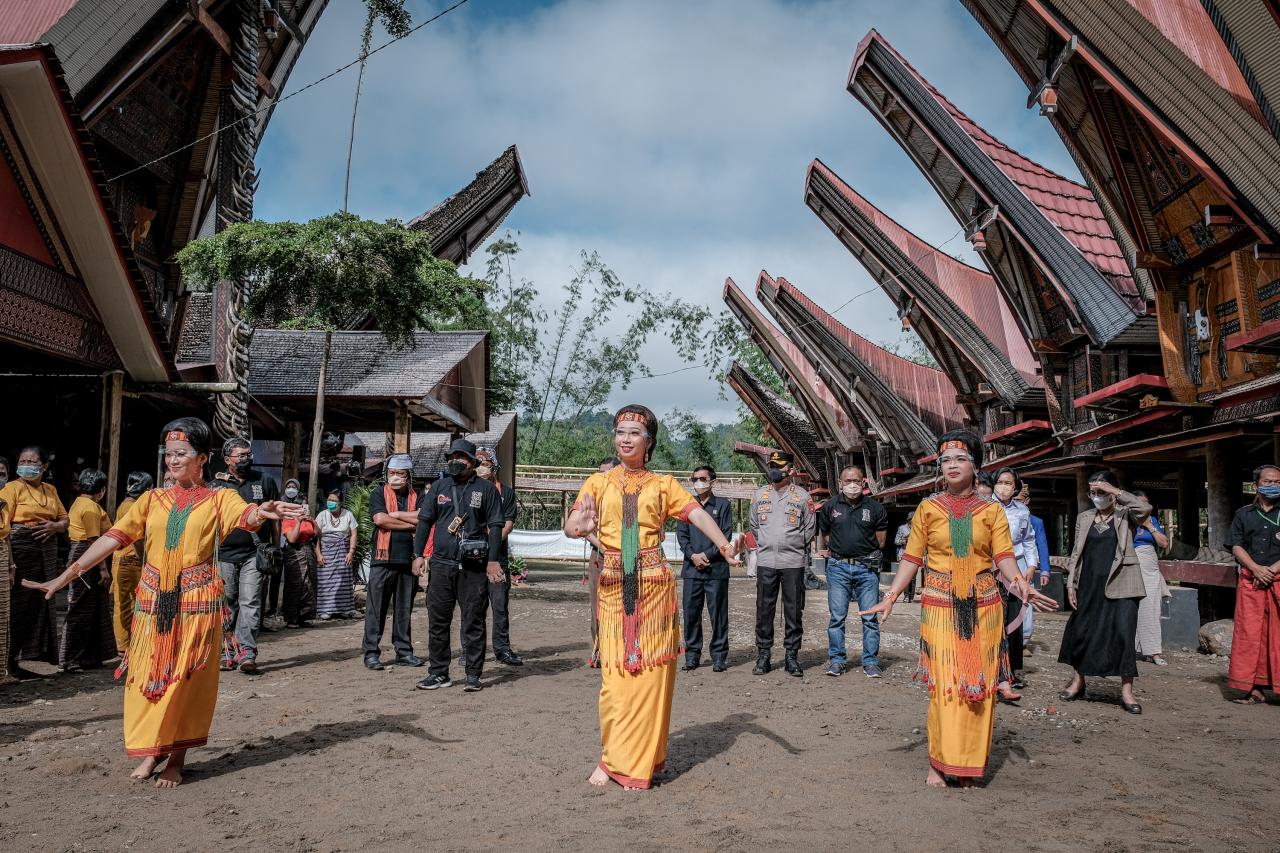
49	311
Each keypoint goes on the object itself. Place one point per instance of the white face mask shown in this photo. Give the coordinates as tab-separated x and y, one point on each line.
1102	501
701	487
1004	491
851	490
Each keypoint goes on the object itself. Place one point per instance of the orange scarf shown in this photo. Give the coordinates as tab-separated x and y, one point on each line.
382	549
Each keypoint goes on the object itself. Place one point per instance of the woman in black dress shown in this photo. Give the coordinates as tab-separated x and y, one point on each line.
1104	585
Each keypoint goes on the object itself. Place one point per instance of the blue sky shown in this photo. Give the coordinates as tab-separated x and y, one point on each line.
672	137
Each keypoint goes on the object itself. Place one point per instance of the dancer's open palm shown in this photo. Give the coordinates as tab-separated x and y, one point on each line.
588	516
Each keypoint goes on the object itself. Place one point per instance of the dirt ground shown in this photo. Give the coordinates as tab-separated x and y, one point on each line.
318	754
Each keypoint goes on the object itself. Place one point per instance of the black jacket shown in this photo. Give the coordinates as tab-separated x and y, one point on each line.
239	544
480	508
694	541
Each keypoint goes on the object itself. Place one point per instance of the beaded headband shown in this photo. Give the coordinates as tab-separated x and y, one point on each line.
176	435
631	416
952	445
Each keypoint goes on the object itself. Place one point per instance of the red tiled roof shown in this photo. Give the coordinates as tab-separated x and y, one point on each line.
972	290
25	21
926	390
1187	25
1070	206
808	374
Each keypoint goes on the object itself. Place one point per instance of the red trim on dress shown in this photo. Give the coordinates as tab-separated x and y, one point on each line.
952	770
119	536
912	559
627	781
244	518
688	508
149	751
998	557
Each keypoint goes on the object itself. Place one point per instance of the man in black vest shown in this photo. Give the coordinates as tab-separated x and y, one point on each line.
705	575
392	582
462	516
238	554
500	593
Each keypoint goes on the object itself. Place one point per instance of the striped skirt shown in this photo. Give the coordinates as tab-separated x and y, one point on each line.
335	594
87	637
5	565
1149	640
32	622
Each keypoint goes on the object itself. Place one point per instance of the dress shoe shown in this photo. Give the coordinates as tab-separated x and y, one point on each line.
690	663
510	658
409	660
1131	707
792	665
373	662
719	666
762	664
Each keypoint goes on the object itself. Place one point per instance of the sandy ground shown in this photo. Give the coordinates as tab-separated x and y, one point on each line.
317	754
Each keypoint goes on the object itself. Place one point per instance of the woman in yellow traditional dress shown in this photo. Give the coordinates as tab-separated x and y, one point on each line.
176	633
638	609
963	655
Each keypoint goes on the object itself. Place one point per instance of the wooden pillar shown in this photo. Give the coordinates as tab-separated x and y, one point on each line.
564	508
1082	490
400	434
114	395
1219	485
1189	488
292	459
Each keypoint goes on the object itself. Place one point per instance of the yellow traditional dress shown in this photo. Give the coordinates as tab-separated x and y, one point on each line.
639	617
176	632
962	651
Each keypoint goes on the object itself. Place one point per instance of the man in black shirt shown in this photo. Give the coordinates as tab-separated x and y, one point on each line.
855	527
238	555
462	516
1255	541
392	582
705	575
500	593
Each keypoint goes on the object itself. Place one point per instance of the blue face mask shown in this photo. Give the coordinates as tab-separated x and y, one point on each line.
28	472
331	505
1269	492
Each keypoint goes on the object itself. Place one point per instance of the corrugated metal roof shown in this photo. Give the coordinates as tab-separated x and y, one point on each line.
972	290
1068	205
785	423
24	21
926	390
93	32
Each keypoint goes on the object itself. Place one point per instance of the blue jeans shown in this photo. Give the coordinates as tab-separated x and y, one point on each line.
242	593
845	582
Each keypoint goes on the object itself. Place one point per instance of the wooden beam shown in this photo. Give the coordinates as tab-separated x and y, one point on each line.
220	37
400	432
115	392
292	456
1055	69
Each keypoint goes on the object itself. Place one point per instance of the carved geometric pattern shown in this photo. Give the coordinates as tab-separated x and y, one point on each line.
1242	411
1177	251
1225	309
1268	290
1230	327
1203	235
1270	312
48	310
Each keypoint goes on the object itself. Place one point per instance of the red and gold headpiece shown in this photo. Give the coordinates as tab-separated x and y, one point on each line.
952	445
176	435
631	416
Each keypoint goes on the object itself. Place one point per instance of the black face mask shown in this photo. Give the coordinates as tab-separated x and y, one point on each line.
776	475
243	465
455	468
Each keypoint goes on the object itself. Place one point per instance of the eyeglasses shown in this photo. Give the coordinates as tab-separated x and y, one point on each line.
954	459
177	455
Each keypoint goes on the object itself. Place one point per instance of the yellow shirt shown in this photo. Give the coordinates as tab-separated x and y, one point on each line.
27	504
660	497
88	519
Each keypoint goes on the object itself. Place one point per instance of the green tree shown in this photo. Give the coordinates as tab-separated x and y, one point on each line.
321	274
911	347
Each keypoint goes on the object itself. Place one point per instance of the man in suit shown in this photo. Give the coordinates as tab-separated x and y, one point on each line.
705	575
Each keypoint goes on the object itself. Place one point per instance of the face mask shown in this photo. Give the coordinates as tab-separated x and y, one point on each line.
243	465
776	475
290	493
4	478
1004	491
1269	492
701	487
1102	501
851	490
455	468
484	471
28	472
331	505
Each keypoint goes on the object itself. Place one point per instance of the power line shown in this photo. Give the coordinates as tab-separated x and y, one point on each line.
283	98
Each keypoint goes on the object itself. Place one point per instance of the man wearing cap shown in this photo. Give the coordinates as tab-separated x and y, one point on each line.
782	524
392	583
462	516
499	593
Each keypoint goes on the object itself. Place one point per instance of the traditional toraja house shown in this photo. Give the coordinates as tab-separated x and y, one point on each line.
460	223
430	450
835	435
108	112
783	423
1168	108
898	406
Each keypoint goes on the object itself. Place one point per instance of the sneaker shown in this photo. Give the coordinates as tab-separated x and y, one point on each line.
872	670
473	684
249	666
434	682
835	670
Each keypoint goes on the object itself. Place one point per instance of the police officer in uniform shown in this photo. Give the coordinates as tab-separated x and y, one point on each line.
462	515
783	525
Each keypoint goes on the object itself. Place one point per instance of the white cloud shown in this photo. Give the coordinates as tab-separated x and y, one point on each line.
671	137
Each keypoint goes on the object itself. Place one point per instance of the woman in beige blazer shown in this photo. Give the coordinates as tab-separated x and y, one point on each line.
1104	585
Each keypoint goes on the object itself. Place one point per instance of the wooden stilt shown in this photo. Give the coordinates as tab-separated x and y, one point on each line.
292	457
1218	484
114	388
400	434
1189	490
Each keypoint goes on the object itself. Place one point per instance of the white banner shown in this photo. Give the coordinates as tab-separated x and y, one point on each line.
554	545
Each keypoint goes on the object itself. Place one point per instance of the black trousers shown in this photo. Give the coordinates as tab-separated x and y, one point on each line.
768	582
1012	606
499	594
390	585
451	586
715	592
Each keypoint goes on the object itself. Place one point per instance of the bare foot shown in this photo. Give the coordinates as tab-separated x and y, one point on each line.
1254	697
599	778
934	779
171	776
148	766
